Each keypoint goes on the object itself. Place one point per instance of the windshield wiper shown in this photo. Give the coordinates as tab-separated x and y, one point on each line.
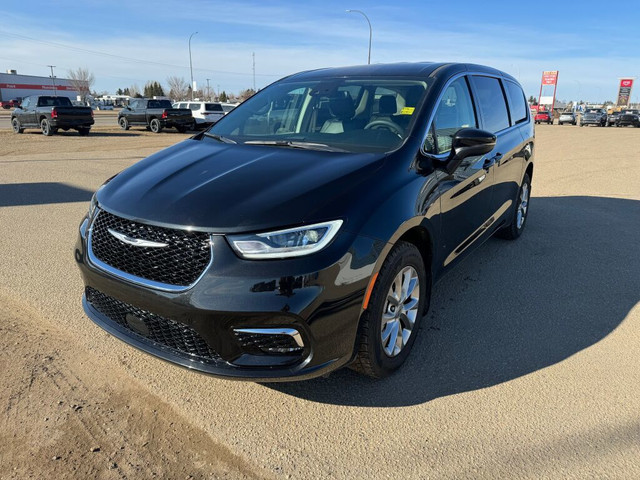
292	144
220	138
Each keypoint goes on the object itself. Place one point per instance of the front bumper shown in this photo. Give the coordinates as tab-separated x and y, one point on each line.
319	296
591	121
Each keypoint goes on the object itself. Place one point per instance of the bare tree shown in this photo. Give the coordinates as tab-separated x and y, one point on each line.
82	80
178	88
245	94
134	91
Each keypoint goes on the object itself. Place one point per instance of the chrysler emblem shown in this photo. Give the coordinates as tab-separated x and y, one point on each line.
136	242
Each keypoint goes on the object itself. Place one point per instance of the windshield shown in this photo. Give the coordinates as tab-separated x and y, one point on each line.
353	114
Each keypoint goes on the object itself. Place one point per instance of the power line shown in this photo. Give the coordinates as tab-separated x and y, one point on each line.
121	57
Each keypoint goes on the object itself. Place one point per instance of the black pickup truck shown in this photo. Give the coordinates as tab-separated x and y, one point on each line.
51	114
155	115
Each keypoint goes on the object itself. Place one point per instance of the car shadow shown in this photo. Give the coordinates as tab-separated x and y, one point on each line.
512	308
18	194
93	133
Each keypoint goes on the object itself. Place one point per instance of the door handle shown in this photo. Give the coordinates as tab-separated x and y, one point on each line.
490	162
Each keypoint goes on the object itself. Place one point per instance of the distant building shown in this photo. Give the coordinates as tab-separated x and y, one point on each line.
13	86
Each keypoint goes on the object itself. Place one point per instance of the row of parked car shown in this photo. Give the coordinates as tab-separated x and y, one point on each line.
51	114
593	116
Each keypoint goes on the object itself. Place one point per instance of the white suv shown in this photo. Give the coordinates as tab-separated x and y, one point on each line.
204	113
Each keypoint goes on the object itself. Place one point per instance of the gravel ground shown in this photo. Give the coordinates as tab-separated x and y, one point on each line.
526	367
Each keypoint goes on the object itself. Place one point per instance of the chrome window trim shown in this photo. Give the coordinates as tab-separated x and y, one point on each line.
292	332
477	107
134	279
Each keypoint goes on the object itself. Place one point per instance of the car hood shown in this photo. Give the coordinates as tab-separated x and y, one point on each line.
227	188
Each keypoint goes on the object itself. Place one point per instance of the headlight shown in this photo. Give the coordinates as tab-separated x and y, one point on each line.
293	242
93	205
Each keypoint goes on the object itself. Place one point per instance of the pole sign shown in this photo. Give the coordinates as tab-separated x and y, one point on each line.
624	91
550	78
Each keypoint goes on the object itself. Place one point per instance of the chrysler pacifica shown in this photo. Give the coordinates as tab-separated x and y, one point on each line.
304	231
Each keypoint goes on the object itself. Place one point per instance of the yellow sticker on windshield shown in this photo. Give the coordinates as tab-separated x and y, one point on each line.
407	111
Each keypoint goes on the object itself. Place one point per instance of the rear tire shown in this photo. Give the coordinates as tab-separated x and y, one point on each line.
124	123
15	124
181	129
84	131
389	326
520	212
45	126
155	126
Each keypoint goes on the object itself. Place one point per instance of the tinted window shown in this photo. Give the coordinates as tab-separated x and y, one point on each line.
54	102
213	107
455	111
194	106
491	103
517	103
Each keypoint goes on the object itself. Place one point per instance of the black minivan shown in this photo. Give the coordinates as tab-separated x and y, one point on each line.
304	231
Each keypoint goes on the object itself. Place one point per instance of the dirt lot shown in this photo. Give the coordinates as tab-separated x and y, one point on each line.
527	366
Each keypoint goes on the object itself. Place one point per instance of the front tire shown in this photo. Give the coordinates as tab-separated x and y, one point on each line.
45	126
389	326
124	123
15	124
155	126
520	213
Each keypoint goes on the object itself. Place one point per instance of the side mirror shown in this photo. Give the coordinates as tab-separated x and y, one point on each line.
468	142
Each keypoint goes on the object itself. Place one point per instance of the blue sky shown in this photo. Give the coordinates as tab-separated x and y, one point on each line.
130	42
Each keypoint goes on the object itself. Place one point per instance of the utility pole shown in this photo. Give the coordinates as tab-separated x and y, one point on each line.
254	70
208	91
53	80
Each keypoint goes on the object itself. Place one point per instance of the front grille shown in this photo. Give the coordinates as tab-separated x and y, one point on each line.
175	335
268	343
180	263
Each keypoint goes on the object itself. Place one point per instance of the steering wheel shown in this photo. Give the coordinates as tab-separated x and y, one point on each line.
388	124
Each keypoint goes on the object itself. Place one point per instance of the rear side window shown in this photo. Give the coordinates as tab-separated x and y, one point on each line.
517	103
194	106
455	111
491	102
213	107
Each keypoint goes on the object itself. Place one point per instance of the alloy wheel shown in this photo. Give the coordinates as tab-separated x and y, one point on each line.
523	204
400	311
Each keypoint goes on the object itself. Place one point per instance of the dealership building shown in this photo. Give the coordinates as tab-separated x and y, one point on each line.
13	86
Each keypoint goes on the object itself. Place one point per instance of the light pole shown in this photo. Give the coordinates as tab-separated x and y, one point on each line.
208	91
53	80
191	64
370	31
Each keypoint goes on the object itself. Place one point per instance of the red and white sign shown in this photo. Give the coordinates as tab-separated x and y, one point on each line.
624	91
29	86
550	78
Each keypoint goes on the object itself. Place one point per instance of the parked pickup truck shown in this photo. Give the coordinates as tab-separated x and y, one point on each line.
155	115
51	114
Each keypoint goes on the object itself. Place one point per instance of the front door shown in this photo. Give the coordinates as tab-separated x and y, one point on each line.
466	195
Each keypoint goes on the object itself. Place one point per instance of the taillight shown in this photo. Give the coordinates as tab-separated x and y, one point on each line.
164	114
54	113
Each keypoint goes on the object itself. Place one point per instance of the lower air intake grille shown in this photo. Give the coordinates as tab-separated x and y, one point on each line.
175	335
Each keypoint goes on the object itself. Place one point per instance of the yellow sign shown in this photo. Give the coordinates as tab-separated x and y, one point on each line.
407	111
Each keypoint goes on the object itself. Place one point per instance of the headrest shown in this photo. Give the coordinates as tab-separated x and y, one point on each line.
387	105
342	108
